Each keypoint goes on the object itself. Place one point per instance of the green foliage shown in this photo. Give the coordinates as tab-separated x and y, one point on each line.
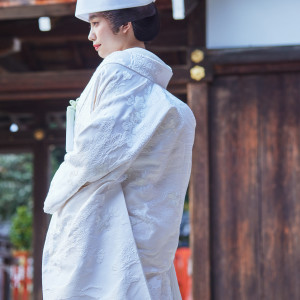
57	157
186	201
16	174
21	229
15	183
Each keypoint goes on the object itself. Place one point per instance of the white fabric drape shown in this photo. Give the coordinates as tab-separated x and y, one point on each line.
117	198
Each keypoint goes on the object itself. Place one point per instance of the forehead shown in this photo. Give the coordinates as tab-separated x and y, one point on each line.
94	16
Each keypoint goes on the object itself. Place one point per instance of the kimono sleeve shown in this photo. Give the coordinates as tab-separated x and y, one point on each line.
125	116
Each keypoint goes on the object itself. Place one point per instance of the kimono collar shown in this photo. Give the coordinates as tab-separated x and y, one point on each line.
142	62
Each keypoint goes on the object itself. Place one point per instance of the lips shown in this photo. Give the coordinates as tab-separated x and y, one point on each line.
97	47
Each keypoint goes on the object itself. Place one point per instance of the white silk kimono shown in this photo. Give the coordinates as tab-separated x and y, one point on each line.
117	199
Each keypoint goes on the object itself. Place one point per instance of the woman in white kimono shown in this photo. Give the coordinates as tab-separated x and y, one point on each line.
117	199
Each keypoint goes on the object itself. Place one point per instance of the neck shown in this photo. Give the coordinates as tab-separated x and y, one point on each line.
134	44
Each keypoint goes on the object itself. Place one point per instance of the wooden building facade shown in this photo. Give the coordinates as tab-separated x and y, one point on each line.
245	183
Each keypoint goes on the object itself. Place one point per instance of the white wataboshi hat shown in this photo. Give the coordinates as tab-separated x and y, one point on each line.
86	7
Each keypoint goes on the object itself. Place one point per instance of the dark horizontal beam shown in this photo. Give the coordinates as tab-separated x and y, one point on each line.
262	68
13	10
40	95
43	85
9	45
62	84
35	11
9	139
242	61
41	81
254	55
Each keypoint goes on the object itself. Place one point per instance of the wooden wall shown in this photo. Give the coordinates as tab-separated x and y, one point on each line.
252	203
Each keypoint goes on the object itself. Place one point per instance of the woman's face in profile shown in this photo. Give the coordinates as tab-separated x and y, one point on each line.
104	40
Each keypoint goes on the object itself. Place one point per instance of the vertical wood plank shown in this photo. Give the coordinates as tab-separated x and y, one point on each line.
199	193
40	219
197	26
280	168
235	220
197	99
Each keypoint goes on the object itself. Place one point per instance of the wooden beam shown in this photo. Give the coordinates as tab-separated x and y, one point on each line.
29	55
10	10
14	83
189	6
40	219
39	81
199	193
259	68
23	138
197	26
20	11
58	84
254	55
197	98
68	27
247	61
164	4
41	95
9	46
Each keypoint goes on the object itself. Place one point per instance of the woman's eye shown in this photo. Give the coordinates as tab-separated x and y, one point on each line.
93	24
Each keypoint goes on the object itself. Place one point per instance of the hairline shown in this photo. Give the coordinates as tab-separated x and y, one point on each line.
93	16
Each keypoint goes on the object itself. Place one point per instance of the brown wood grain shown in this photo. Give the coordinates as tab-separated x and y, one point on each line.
280	184
235	220
40	219
255	186
199	193
35	81
255	55
197	26
258	68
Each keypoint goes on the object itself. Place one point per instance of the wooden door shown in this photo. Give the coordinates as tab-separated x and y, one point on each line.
253	203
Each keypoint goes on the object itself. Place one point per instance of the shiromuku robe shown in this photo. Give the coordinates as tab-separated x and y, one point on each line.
117	199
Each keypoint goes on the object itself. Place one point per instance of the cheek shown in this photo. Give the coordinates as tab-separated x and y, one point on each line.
105	35
99	31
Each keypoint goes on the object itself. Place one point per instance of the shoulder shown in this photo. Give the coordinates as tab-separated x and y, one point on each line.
117	58
183	110
113	71
134	57
140	61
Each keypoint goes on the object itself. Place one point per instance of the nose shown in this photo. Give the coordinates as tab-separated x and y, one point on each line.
92	36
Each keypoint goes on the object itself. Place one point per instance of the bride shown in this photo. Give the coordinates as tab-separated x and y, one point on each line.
117	199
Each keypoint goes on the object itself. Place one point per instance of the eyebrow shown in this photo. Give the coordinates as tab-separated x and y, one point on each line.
92	17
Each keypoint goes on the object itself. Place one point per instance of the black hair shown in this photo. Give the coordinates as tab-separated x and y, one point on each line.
144	19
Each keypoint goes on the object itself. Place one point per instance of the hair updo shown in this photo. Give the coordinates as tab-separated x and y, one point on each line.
144	19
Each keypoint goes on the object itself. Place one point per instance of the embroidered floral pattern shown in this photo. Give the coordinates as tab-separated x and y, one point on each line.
117	198
100	256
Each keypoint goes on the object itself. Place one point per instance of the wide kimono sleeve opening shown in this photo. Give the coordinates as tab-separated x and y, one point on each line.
125	116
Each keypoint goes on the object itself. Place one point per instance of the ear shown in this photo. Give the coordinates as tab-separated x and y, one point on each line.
126	27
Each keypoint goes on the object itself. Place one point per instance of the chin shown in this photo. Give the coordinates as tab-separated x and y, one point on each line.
102	55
